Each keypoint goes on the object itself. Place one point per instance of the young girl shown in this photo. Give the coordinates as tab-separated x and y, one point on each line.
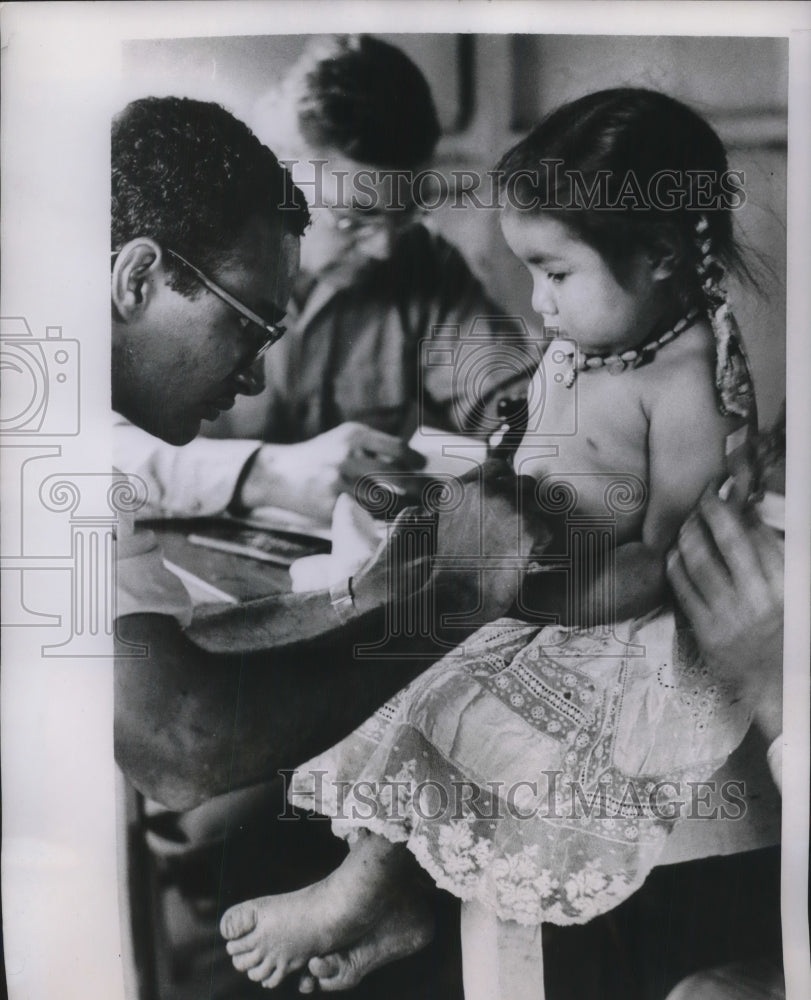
540	771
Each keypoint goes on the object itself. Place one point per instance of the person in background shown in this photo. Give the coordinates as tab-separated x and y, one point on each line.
355	122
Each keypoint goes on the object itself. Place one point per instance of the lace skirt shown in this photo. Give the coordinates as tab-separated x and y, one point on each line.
536	770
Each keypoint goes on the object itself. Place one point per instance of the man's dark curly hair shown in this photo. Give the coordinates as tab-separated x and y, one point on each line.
190	175
368	100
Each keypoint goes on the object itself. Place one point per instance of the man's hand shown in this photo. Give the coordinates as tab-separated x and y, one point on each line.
481	547
484	543
398	569
309	476
727	574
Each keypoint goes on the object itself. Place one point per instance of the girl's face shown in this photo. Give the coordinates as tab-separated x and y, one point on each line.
575	290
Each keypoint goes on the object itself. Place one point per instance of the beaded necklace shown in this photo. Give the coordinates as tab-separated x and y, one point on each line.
633	358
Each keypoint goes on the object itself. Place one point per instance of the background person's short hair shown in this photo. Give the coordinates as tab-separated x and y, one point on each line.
190	175
366	99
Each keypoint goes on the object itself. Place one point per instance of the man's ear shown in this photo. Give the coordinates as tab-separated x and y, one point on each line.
133	277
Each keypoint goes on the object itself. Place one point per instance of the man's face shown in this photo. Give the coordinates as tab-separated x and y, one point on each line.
357	212
180	360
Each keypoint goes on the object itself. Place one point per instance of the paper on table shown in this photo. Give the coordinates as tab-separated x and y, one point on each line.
355	537
200	591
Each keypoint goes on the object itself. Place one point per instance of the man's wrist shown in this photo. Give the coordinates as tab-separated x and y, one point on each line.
342	600
267	479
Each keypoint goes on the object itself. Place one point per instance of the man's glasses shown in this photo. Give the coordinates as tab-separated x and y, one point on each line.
270	332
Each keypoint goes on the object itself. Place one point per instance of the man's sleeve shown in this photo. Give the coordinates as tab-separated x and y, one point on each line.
196	480
473	353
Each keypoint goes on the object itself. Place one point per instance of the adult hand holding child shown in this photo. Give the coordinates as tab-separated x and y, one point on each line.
727	573
482	541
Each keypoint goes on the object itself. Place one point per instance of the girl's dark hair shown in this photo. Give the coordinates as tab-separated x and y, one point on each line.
630	170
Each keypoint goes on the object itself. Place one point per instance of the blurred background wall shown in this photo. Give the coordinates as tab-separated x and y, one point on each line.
491	89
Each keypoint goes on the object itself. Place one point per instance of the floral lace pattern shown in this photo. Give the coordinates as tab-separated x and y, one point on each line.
540	772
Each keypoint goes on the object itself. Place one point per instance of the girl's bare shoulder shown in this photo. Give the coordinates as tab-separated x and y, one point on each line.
682	389
695	345
689	358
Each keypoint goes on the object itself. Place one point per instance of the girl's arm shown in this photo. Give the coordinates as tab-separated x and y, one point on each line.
687	441
727	574
634	578
686	451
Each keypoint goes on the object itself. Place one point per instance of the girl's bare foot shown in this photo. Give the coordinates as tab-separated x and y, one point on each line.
403	930
269	937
